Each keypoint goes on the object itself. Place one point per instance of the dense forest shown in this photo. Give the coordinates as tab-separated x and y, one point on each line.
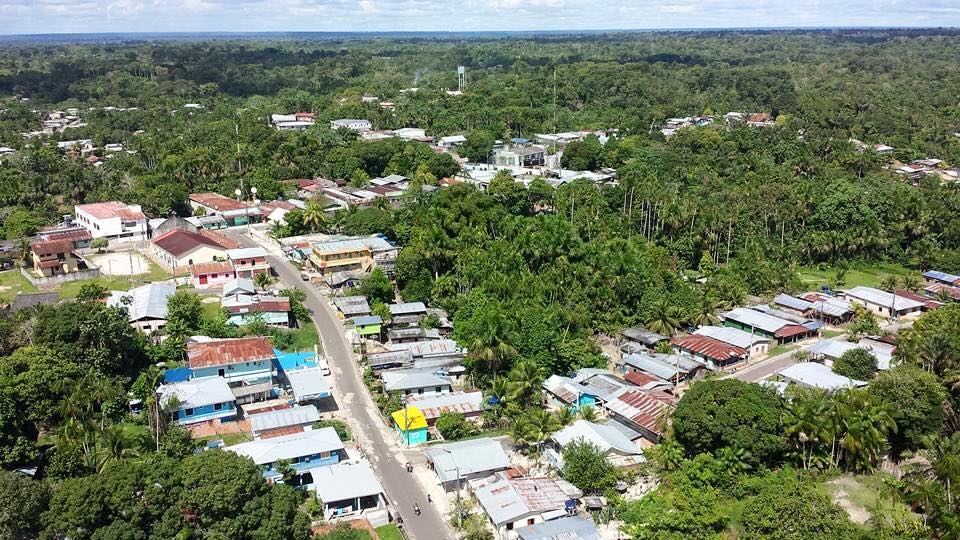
530	274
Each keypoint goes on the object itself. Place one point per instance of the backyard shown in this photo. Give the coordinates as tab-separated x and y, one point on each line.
868	276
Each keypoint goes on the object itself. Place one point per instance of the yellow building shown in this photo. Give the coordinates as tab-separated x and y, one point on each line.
330	257
54	257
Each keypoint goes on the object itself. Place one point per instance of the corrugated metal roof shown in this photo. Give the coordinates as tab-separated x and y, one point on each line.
642	335
652	366
733	336
792	302
308	383
756	319
944	277
710	347
604	437
644	409
344	481
453	402
367	320
510	499
814	375
471	457
294	416
410	380
352	305
438	347
408	308
246	253
297	445
565	528
882	298
146	302
197	393
564	388
229	351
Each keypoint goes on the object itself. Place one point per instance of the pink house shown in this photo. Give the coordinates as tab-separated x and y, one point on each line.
211	274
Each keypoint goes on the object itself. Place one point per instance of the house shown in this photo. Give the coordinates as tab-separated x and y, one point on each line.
146	306
935	276
113	220
408	309
927	302
568	528
209	223
348	489
381	361
715	353
352	124
668	367
451	141
882	303
511	503
330	257
248	262
270	424
211	274
308	384
245	363
243	308
644	337
198	400
411	381
411	425
55	257
767	325
176	250
828	308
756	346
615	446
411	334
600	383
520	155
352	306
457	463
469	404
814	375
829	350
411	134
760	120
646	412
370	325
565	392
233	211
939	290
238	286
645	381
301	451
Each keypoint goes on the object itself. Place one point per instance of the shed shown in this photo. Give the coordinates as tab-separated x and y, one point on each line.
308	384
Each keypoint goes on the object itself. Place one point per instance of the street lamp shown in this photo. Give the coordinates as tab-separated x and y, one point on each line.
253	200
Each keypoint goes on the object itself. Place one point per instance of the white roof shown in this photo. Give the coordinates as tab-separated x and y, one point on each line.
510	499
293	416
814	375
238	285
882	298
146	302
343	481
296	445
246	253
731	336
308	383
197	393
835	348
432	348
407	308
409	380
604	437
757	319
471	457
450	139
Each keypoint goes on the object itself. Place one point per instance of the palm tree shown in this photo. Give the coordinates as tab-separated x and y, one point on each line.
491	345
262	280
313	216
433	246
565	416
664	319
115	445
588	413
706	314
525	377
937	354
802	422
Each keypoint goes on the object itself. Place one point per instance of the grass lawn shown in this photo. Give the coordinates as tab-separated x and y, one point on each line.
827	334
304	337
229	439
780	349
866	493
211	309
116	283
867	276
13	282
389	532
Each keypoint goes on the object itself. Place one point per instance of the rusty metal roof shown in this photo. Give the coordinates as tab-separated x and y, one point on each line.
229	351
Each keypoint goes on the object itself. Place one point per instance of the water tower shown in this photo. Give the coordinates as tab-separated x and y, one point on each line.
461	77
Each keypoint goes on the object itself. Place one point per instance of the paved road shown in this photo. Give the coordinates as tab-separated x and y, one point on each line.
765	368
357	406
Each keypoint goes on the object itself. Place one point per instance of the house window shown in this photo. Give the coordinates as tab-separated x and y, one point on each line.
188	412
419	390
218	406
530	521
437	390
510	526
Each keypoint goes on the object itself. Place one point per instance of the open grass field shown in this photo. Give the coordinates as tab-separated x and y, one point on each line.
11	283
389	532
867	276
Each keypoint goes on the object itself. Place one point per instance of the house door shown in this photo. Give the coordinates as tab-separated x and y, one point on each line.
203	279
220	372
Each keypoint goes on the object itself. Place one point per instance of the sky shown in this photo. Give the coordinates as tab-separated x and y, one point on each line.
91	16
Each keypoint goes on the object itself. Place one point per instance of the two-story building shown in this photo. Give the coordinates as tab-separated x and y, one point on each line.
248	262
235	212
302	451
330	257
113	220
178	249
245	363
54	257
198	400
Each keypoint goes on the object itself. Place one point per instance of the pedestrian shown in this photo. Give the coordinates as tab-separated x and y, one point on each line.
429	498
416	508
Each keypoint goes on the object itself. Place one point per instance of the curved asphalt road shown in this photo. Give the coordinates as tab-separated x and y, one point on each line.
358	408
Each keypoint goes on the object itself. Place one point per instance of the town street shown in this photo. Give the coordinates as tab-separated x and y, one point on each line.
357	407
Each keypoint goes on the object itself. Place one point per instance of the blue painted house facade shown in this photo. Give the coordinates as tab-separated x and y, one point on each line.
246	364
199	400
305	450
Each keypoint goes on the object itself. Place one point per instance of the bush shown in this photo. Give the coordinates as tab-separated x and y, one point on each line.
857	364
586	467
342	429
455	426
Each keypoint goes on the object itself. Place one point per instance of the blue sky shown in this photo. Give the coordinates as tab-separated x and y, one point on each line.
57	16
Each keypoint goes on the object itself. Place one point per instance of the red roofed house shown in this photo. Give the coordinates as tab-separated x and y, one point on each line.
113	220
645	411
245	363
233	211
176	250
717	354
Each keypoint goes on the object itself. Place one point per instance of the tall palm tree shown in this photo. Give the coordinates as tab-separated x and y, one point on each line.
565	416
706	313
313	216
526	377
491	344
937	355
588	413
664	318
115	445
433	246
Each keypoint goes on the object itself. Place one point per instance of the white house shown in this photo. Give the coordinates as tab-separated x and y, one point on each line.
511	503
881	302
351	123
113	220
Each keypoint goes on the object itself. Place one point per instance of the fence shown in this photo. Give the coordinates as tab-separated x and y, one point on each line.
59	279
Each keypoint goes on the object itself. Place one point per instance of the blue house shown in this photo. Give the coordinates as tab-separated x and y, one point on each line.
198	400
245	363
303	451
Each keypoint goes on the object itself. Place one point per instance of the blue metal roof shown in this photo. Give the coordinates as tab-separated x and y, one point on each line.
175	375
941	276
295	360
371	319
